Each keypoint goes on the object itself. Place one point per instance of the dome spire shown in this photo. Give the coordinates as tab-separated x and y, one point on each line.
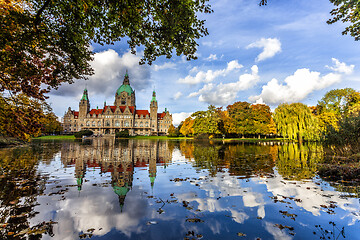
126	78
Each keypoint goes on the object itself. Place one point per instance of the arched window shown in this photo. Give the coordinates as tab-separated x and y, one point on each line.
117	123
146	124
136	124
99	124
141	124
107	123
126	123
93	124
88	123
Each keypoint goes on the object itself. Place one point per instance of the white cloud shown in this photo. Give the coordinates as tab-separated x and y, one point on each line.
109	70
211	57
177	95
299	85
223	94
166	65
341	67
178	117
210	75
271	46
194	70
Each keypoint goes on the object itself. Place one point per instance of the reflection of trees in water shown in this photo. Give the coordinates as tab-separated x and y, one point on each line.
20	184
240	159
249	159
187	149
299	161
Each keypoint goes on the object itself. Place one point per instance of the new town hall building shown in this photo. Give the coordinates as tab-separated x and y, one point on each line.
123	115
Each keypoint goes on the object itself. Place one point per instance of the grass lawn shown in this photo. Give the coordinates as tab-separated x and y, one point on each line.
56	137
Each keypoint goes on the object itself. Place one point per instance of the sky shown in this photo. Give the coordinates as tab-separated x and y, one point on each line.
280	53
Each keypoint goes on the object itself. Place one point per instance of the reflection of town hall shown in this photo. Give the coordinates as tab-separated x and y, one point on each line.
123	115
118	158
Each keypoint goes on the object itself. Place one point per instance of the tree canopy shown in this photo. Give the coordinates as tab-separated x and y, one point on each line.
44	43
296	122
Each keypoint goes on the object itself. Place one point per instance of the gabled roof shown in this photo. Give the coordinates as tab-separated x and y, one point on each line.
95	111
122	108
142	112
112	108
161	115
131	108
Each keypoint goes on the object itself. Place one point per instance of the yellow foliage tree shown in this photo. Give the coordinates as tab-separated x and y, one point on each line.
187	128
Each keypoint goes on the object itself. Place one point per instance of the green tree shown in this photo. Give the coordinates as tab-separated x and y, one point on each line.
44	43
207	121
338	101
296	122
346	139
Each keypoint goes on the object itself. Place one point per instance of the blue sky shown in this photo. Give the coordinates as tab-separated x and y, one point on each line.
283	52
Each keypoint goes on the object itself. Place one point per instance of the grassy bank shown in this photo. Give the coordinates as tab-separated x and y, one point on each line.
10	142
160	137
56	137
250	139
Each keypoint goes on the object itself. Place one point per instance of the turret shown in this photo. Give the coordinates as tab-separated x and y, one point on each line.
84	105
153	113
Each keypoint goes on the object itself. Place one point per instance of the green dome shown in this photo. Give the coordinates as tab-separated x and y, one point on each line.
125	88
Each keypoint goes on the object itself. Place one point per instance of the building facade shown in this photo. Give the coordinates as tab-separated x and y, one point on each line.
123	115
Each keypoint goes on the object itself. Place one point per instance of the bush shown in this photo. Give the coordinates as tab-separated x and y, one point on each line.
122	134
345	140
202	136
82	133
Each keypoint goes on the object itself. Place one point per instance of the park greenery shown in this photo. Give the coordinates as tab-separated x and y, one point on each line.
335	120
46	43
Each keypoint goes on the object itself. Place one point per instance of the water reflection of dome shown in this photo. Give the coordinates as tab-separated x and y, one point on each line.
121	192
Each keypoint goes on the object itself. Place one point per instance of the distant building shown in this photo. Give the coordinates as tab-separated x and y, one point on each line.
123	115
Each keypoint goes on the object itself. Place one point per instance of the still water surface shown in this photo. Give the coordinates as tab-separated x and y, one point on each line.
143	189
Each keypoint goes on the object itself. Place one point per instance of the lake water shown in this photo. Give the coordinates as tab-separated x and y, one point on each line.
145	189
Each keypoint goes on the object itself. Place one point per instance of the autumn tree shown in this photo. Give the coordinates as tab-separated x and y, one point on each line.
187	127
173	131
296	122
260	119
21	117
240	113
50	124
